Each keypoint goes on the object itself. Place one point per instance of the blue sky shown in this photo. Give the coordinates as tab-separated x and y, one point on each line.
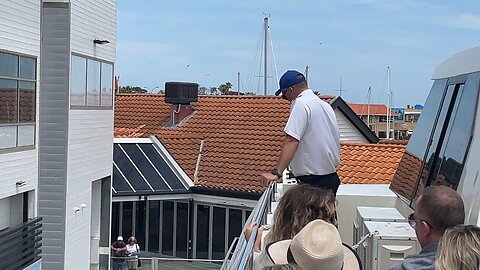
210	41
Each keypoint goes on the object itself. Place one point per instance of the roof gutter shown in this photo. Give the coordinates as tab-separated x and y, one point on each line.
226	193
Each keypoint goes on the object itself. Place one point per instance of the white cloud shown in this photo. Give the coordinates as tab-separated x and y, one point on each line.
466	21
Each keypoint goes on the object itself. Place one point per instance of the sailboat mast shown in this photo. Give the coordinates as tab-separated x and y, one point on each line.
238	83
265	56
368	105
389	102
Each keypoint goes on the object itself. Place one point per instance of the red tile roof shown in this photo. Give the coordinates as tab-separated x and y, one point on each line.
375	109
369	163
385	141
242	137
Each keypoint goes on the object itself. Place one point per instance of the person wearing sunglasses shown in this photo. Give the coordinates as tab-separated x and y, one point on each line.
436	209
312	140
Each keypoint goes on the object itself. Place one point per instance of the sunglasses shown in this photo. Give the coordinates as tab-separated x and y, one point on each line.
285	91
413	221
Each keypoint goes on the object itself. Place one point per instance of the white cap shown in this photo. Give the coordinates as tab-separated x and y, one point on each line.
120	238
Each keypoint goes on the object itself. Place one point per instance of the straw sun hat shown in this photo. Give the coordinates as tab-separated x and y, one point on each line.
316	246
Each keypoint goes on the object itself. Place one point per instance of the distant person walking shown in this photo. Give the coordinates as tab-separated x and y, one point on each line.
119	250
436	210
312	140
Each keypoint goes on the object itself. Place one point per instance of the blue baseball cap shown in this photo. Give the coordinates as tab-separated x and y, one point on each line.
289	78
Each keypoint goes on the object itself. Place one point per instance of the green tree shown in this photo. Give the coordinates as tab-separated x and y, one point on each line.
213	90
225	88
131	89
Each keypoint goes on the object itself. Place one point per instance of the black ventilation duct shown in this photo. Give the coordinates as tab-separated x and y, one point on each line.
181	92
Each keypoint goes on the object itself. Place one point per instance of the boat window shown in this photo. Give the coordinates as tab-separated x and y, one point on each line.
458	135
436	152
431	158
405	179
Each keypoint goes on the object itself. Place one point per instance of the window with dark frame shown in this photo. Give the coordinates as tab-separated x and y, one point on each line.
436	152
91	83
170	224
18	76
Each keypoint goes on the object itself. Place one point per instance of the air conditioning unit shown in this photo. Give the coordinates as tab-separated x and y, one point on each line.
381	214
390	243
181	92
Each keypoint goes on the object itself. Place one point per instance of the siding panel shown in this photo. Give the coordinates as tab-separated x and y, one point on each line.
19	33
348	132
90	143
53	131
20	26
86	28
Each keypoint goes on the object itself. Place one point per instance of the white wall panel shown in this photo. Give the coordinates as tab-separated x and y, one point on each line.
18	166
90	145
90	154
20	26
93	19
4	213
348	132
19	33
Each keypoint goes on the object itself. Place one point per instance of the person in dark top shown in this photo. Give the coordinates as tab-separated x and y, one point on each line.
436	210
119	249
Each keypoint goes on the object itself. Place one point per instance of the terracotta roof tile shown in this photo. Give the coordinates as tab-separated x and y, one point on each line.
369	163
375	109
242	137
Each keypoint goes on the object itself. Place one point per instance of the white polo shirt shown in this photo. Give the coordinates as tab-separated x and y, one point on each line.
313	123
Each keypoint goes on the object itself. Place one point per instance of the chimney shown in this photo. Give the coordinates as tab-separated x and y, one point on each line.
179	95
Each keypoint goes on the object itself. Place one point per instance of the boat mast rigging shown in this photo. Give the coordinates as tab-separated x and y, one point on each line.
389	103
265	64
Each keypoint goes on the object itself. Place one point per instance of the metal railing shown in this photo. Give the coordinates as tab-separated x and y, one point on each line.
21	245
239	255
242	255
156	263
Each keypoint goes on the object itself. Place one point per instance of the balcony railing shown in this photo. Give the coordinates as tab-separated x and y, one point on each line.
241	258
21	245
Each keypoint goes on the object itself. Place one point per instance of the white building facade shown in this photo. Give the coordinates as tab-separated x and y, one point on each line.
56	125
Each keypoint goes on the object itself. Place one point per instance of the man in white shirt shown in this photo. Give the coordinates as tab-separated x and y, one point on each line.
312	143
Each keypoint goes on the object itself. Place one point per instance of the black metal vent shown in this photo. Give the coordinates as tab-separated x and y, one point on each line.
181	92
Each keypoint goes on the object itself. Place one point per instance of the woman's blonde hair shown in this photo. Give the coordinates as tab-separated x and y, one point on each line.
459	249
132	239
297	207
282	267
